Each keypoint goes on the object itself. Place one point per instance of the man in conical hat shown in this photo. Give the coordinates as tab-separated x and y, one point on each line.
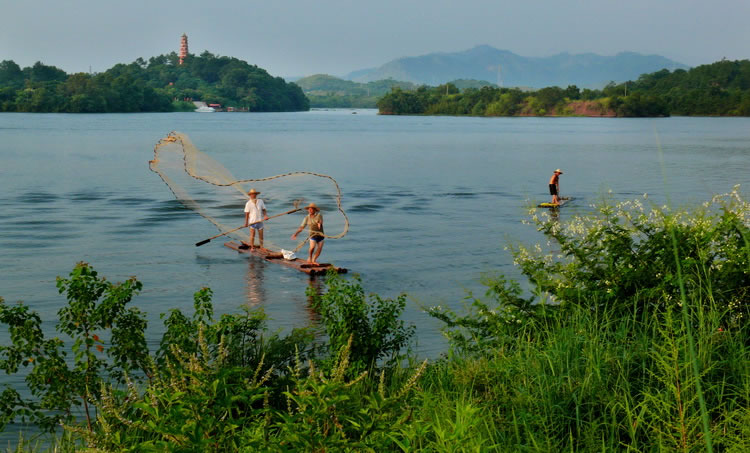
314	221
554	186
255	214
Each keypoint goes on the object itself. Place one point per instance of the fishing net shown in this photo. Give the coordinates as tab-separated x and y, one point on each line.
205	186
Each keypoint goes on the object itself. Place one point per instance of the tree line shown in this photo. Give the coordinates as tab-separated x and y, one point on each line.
721	89
157	85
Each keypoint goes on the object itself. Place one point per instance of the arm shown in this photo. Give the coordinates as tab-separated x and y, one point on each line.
247	217
301	227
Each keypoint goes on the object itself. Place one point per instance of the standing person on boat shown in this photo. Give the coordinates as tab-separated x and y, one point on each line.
554	186
314	221
255	214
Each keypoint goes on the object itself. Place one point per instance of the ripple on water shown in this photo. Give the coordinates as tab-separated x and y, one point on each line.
89	195
460	194
367	194
36	197
366	208
165	217
170	206
132	201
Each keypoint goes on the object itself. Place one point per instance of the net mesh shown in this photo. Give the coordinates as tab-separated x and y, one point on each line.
205	186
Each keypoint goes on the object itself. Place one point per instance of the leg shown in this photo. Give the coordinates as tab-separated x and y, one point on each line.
260	237
310	252
317	252
252	237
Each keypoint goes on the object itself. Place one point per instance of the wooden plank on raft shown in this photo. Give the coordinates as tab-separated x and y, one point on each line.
276	257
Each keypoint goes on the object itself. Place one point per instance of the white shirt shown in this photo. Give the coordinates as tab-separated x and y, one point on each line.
255	209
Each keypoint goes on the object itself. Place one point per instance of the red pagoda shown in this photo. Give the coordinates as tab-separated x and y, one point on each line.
183	48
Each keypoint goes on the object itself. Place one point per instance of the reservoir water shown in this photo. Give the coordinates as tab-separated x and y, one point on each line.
432	200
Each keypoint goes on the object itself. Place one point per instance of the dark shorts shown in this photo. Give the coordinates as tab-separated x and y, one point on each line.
317	238
553	189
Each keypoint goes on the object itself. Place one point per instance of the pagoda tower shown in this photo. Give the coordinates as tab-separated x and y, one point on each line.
183	48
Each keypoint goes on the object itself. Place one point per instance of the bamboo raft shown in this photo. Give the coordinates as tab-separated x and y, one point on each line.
277	257
563	202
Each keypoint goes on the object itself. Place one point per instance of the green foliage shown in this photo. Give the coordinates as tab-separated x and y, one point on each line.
326	91
330	410
374	323
621	257
594	358
161	85
198	402
722	88
485	325
58	385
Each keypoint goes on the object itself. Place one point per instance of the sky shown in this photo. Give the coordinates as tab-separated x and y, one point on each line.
302	37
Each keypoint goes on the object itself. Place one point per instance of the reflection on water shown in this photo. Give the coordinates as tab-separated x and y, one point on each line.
255	291
314	287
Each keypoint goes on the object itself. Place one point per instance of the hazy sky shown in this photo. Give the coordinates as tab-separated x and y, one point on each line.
303	37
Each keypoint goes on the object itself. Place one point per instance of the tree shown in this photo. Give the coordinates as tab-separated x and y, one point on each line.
10	74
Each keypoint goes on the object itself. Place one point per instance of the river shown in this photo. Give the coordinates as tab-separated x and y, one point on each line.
432	200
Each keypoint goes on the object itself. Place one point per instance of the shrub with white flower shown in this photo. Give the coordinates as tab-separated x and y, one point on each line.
623	256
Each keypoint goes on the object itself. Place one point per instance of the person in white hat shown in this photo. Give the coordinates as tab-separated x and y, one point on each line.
314	221
554	186
255	213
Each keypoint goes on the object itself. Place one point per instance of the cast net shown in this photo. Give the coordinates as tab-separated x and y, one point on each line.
203	185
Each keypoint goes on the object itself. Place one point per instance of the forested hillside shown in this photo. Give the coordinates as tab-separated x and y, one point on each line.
329	91
721	89
156	85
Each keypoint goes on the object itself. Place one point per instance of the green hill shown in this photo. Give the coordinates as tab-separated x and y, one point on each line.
721	89
157	85
325	91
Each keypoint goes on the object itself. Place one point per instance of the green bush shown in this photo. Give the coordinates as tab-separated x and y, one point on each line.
624	257
374	323
108	340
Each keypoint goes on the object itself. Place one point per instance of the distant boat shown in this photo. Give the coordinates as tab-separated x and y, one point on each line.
205	109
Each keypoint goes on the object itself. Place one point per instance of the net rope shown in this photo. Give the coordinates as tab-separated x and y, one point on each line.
203	185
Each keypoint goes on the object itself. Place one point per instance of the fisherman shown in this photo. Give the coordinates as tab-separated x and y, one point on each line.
255	213
314	221
554	186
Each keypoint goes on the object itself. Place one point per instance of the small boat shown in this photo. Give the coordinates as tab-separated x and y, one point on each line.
205	109
563	202
277	257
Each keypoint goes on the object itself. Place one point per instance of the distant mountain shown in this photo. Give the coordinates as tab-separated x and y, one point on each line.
586	70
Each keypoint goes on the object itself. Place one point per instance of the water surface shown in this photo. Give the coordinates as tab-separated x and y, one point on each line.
432	200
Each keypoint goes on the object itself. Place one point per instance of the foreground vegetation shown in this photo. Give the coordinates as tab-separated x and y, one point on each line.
634	337
157	85
721	88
